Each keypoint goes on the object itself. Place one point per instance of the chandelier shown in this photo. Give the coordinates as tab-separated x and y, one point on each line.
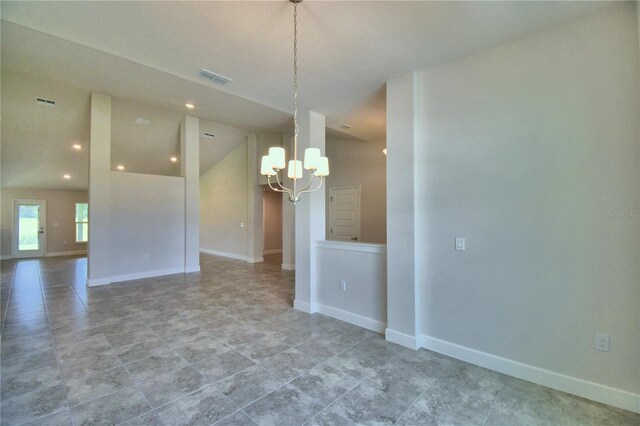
314	162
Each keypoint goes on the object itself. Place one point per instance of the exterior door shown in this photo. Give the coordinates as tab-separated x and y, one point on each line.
344	213
29	223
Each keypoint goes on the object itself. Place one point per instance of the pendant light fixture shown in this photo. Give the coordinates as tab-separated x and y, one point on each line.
314	162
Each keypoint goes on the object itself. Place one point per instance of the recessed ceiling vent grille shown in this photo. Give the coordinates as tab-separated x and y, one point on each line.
208	135
143	121
47	102
212	76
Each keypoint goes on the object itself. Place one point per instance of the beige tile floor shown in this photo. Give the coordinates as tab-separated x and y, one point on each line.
225	347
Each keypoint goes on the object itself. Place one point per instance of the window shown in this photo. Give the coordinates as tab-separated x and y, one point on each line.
82	222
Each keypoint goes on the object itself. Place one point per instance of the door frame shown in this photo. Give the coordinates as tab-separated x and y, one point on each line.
15	253
359	188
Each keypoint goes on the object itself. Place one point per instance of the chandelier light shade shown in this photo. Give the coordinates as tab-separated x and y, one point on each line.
275	162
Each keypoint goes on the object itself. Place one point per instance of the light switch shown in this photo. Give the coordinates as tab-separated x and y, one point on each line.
242	225
460	244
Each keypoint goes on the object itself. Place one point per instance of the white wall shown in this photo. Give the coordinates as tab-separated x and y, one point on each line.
527	147
61	215
361	163
147	225
364	269
223	206
272	221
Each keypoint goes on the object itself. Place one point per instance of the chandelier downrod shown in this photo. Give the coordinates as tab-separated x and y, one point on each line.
274	162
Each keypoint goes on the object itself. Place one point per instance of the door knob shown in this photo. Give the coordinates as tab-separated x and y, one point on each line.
354	239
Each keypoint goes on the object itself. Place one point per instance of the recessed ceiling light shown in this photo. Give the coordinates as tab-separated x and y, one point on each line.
120	167
66	176
189	105
174	159
77	146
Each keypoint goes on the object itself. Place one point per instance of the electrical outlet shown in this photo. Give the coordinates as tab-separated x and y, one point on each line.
602	342
343	285
460	244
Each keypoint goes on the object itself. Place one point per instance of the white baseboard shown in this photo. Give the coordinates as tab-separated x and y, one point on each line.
288	267
401	339
92	282
594	391
192	269
351	318
6	257
232	255
66	253
272	251
302	306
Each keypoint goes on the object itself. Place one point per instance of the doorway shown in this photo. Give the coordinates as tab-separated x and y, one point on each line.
344	213
29	223
272	222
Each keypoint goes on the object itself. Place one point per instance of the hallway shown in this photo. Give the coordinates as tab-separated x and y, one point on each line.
225	346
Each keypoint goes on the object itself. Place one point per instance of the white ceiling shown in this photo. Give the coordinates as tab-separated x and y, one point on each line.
37	148
147	55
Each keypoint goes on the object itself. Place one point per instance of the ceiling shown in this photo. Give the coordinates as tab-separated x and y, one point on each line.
147	56
37	148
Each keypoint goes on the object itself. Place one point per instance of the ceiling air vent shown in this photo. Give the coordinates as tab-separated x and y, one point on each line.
208	135
212	76
143	121
47	102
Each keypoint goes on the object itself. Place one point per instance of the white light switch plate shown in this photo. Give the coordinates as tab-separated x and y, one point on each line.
460	244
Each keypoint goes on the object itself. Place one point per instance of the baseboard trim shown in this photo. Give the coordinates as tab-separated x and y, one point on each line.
272	251
66	253
302	306
92	282
401	339
193	269
351	318
594	391
232	256
288	267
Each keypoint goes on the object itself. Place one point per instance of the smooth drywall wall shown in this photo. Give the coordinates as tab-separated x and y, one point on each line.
147	225
272	221
361	163
531	153
61	217
223	205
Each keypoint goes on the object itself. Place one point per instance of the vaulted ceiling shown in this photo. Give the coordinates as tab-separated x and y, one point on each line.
150	53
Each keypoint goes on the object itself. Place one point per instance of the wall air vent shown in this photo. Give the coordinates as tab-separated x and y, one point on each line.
208	135
143	121
212	76
47	102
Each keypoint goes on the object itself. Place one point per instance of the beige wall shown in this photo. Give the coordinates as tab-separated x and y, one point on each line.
531	152
361	163
223	205
61	234
272	220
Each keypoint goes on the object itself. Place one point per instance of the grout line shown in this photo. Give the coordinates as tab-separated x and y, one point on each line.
414	403
6	309
55	352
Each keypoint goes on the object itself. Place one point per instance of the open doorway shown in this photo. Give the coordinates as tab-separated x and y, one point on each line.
272	225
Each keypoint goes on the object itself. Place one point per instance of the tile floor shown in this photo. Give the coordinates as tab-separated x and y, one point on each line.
225	347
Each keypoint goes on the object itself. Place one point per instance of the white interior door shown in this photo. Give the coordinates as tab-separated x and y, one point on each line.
29	223
344	213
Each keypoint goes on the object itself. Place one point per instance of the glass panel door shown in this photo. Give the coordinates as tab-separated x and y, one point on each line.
29	221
